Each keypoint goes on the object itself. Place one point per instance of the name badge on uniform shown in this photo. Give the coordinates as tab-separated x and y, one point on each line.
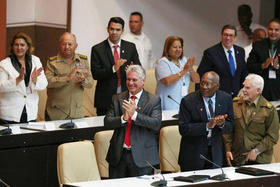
184	90
272	74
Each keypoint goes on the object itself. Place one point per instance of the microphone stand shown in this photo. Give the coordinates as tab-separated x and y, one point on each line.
162	182
219	177
176	115
67	125
5	184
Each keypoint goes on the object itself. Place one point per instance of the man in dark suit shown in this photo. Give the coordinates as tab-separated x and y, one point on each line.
264	61
227	60
108	62
135	116
203	117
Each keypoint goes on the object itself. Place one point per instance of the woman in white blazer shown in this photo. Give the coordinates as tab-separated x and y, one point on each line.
21	75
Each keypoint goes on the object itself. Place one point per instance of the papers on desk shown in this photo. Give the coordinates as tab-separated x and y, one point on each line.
81	124
50	126
41	126
15	129
168	114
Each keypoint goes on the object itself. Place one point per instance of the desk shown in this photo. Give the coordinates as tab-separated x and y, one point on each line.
29	159
236	179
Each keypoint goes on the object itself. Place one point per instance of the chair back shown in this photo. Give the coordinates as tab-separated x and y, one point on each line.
76	162
101	145
169	145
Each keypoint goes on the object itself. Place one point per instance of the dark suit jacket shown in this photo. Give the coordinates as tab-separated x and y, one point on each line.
258	55
214	59
192	127
144	130
102	61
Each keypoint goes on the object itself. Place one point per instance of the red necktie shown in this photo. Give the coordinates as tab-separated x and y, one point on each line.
116	58
128	127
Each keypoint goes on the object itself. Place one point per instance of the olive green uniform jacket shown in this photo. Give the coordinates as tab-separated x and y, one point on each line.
65	98
259	130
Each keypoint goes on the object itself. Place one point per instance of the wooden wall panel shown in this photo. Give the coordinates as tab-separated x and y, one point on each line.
45	39
3	8
11	31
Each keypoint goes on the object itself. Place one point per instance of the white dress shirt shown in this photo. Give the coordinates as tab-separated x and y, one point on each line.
144	48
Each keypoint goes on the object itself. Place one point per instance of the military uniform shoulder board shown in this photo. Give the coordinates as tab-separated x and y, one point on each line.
52	58
268	105
83	56
235	99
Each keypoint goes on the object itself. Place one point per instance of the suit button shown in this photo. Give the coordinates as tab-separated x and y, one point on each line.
231	93
24	96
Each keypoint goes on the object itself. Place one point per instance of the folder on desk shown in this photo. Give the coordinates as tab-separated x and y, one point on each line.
253	171
192	178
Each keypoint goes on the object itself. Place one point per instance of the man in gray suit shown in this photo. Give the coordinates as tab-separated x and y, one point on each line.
135	116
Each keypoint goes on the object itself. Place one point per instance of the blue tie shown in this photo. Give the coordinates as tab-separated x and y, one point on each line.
231	62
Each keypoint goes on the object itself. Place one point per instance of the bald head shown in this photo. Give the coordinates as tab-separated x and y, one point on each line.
67	45
209	84
212	75
258	34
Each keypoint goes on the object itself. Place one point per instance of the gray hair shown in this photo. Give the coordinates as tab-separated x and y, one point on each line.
68	33
256	81
138	69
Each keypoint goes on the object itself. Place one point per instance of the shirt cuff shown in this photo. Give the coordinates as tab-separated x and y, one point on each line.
207	129
123	121
222	126
134	116
114	71
257	151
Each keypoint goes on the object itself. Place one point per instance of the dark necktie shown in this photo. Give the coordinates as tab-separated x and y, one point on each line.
272	50
116	58
231	62
128	127
210	108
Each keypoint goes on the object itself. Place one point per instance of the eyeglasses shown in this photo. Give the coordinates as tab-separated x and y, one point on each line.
206	84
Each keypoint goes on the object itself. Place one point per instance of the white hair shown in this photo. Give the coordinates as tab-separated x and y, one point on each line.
138	69
256	81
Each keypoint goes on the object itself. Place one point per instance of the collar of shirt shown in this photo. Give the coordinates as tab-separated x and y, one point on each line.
138	37
205	99
254	103
138	95
112	46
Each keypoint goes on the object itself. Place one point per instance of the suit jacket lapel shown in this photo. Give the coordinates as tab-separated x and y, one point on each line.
201	107
224	58
142	101
218	105
238	58
108	50
122	50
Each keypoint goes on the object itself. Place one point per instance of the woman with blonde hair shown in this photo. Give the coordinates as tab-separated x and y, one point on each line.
21	75
174	73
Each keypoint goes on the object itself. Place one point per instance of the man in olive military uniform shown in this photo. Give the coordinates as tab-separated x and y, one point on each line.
256	126
68	74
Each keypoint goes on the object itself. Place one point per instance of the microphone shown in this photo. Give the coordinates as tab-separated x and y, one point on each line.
176	115
161	182
4	184
219	177
169	96
7	130
67	125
